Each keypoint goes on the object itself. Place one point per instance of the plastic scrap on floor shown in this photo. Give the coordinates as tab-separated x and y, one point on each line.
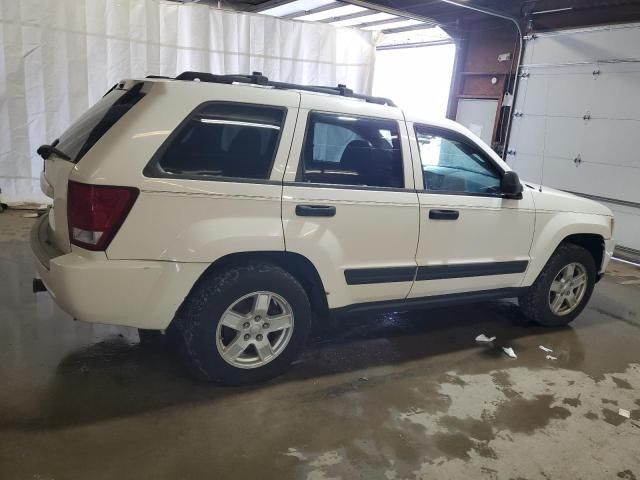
482	338
545	349
509	352
624	413
551	357
30	215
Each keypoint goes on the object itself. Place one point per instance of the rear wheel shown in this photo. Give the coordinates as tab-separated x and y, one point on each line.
244	324
150	337
562	289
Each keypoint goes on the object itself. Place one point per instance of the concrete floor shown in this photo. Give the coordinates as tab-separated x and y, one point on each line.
390	397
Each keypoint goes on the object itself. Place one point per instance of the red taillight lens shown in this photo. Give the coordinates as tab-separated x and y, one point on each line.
95	213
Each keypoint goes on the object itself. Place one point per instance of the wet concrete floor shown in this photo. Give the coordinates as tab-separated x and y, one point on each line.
400	396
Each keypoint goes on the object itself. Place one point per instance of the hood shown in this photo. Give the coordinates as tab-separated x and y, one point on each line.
550	199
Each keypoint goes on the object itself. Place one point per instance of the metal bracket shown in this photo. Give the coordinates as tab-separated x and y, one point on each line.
524	75
511	152
577	160
531	36
587	116
596	72
518	114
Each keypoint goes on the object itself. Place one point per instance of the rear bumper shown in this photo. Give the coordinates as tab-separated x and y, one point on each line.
90	287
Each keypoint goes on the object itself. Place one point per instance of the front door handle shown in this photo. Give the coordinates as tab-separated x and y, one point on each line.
444	214
315	210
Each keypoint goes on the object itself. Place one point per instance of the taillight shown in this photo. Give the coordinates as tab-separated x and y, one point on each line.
95	213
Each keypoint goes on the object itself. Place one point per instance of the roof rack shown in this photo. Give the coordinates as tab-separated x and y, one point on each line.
257	78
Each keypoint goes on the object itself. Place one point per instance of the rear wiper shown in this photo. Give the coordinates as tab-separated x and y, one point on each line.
46	150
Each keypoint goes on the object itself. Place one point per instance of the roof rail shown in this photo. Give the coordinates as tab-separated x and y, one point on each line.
257	78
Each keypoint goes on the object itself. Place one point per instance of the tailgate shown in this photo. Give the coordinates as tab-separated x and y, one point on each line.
73	144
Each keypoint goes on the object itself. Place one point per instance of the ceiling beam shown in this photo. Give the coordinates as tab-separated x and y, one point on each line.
410	28
427	43
392	11
381	22
261	7
323	8
351	16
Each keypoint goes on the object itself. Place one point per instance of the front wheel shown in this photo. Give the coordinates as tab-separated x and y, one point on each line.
562	289
244	324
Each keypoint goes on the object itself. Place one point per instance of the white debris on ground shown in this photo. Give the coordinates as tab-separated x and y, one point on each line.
545	349
293	452
509	352
482	338
624	413
551	357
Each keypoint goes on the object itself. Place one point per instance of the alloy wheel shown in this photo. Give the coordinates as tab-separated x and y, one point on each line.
255	329
568	288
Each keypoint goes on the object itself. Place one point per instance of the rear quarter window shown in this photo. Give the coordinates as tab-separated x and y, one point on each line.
221	140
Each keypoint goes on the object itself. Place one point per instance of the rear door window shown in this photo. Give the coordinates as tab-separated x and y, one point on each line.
95	122
350	150
224	140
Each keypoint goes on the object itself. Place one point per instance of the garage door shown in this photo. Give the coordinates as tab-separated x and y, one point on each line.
576	123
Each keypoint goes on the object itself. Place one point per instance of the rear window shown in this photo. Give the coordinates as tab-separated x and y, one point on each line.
95	122
225	140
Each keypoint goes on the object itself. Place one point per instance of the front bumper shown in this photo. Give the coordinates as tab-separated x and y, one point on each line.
607	255
609	246
90	287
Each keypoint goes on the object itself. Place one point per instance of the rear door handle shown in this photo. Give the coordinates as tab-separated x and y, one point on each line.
315	210
444	214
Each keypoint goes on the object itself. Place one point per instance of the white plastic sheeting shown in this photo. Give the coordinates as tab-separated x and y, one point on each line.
58	57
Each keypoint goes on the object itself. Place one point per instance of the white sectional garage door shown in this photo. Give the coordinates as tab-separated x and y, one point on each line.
576	123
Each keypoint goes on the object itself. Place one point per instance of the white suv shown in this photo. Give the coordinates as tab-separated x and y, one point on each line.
231	211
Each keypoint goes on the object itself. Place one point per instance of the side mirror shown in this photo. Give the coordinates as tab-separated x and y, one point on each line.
510	185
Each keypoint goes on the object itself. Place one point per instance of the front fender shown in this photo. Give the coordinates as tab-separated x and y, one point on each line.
552	228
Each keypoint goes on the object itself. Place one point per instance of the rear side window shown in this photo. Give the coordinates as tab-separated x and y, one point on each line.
95	122
349	150
223	140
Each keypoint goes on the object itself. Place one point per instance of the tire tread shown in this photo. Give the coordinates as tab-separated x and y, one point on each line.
534	304
212	289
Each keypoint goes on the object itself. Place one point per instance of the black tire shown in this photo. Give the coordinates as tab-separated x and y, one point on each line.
197	321
535	303
150	337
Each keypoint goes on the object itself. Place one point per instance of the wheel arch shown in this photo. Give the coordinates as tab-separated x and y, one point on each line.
297	265
587	231
592	242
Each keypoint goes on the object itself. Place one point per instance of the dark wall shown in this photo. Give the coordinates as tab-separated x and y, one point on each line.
478	48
